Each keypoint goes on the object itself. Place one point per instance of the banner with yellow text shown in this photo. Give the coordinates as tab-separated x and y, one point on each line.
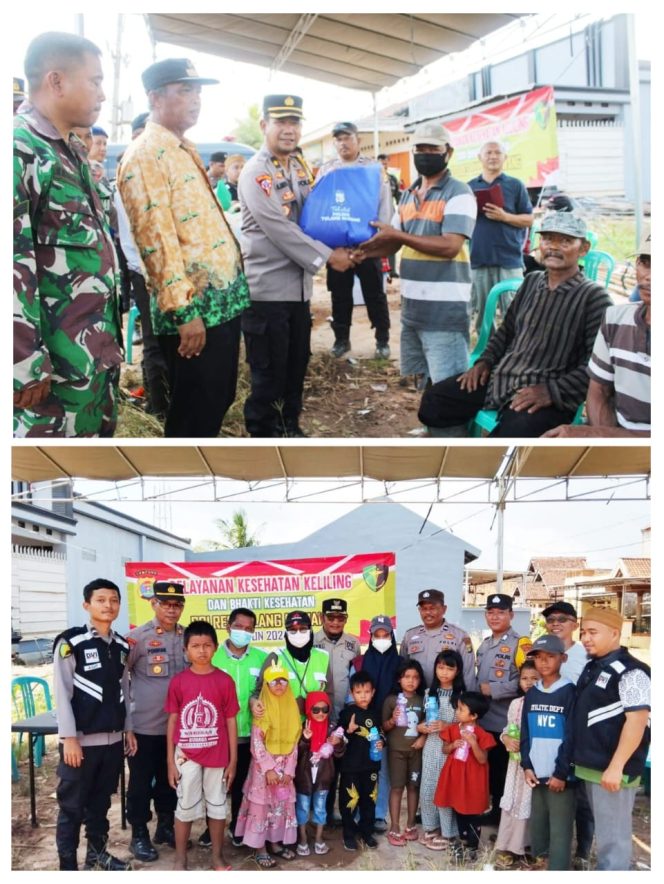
524	125
271	589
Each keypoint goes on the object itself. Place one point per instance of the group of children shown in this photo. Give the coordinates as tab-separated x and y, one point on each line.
436	751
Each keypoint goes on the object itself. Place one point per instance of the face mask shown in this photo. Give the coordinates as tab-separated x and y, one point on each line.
299	639
430	164
381	644
240	638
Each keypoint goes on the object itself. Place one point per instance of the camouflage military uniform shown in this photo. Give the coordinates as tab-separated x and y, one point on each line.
66	320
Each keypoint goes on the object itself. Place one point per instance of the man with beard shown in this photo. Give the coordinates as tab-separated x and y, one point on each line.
67	336
436	220
534	368
308	668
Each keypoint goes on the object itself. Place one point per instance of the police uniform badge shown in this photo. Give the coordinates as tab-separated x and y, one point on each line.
265	184
65	650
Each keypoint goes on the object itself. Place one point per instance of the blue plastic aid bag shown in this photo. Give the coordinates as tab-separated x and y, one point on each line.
341	205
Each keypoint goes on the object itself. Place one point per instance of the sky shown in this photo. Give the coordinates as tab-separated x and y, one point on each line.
602	531
242	84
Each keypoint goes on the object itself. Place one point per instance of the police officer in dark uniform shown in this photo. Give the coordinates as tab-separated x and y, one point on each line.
90	684
156	654
499	658
424	643
280	262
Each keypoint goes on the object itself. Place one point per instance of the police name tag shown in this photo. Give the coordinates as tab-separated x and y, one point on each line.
603	680
92	655
91	666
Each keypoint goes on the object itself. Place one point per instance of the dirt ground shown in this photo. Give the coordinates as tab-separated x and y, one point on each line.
352	397
33	849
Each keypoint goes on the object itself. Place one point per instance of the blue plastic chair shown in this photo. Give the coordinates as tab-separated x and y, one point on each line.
594	261
131	324
23	699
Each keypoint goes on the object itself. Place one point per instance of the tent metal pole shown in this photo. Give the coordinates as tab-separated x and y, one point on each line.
637	135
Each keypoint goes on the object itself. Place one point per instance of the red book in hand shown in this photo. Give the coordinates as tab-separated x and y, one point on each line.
493	195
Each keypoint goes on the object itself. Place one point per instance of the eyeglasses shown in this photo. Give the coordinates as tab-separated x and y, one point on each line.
281	681
558	619
320	710
171	605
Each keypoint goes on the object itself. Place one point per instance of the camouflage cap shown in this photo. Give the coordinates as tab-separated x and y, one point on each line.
567	223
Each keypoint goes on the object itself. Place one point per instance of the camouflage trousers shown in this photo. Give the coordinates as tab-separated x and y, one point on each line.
73	408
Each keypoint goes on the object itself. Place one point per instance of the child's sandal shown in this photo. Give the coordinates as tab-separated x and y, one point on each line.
396	839
321	848
411	834
264	861
438	843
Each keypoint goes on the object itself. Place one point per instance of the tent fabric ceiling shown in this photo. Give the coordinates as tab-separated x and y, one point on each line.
262	462
358	51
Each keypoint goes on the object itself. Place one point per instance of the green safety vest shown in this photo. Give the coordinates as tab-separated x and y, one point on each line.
244	671
305	677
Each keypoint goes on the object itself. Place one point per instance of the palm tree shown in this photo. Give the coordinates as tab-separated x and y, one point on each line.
235	533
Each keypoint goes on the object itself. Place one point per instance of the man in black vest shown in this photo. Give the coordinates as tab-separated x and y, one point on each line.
91	690
611	732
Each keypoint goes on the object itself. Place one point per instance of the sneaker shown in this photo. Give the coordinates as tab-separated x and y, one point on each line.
104	861
204	840
321	848
350	843
237	840
339	348
382	351
370	842
380	826
303	850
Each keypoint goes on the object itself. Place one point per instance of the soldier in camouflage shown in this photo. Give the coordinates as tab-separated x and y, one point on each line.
67	334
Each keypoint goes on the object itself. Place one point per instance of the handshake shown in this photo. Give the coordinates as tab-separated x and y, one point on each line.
386	242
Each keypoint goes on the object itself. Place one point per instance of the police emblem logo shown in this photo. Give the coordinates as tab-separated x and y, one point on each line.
289	102
496	599
171	589
505	649
156	670
500	673
265	184
339	196
65	650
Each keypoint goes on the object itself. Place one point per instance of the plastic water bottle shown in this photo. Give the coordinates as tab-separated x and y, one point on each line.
375	754
514	731
402	705
430	708
463	752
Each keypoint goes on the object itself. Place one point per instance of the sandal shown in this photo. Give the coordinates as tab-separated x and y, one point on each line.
321	848
284	853
438	843
411	833
396	839
504	860
264	861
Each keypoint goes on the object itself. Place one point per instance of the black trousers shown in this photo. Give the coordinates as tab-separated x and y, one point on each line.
445	404
340	286
84	796
203	387
155	374
241	772
277	337
357	792
498	759
148	780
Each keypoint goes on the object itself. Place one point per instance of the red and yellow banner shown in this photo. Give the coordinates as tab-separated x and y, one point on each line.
525	125
271	589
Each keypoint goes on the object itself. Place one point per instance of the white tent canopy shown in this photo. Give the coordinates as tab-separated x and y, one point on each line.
359	51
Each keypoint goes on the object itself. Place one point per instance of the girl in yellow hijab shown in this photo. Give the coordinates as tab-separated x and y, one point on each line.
267	814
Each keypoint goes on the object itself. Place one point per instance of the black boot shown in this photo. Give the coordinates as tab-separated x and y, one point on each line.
165	833
141	846
68	863
99	859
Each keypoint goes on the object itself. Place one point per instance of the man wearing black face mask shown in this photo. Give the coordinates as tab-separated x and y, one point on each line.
436	218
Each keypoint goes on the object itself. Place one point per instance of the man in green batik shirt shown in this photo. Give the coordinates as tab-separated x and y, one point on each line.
67	333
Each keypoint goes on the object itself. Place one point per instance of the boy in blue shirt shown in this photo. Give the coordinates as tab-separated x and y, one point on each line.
546	755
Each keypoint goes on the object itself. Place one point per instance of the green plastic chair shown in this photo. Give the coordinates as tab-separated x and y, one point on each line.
23	699
594	261
492	300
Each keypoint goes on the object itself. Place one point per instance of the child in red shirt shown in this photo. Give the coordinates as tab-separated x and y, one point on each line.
201	739
464	779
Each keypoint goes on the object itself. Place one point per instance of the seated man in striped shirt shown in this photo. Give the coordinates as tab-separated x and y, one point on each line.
618	402
534	368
